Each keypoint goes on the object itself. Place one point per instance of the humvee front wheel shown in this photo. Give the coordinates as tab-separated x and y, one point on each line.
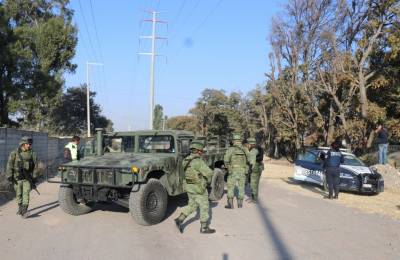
149	205
69	204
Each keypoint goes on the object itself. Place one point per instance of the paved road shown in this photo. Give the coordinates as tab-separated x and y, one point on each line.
285	225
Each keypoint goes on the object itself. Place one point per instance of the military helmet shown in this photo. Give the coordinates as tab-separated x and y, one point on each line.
25	140
251	140
237	137
196	144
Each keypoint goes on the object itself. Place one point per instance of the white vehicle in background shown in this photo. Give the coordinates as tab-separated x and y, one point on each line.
354	174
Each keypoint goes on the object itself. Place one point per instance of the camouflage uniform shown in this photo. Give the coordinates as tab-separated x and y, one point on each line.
197	176
236	159
22	186
256	169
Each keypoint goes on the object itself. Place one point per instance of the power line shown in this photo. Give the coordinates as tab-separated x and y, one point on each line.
206	18
186	18
175	19
87	29
179	11
95	30
197	28
158	5
104	76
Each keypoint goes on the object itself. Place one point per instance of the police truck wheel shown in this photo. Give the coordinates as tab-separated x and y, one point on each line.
69	204
149	205
217	185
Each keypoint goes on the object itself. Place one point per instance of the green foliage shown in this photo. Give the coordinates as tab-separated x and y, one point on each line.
69	117
158	117
37	42
182	123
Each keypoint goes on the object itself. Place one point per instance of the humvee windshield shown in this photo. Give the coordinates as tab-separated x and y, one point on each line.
113	145
119	144
157	144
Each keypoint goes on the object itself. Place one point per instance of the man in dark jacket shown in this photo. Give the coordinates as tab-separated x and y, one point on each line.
383	143
332	161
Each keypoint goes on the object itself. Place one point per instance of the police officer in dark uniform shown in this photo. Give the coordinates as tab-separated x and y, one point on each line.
332	161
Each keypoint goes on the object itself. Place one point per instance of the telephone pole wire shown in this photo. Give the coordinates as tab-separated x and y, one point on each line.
153	37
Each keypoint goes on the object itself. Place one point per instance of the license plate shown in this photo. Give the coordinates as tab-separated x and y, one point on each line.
367	185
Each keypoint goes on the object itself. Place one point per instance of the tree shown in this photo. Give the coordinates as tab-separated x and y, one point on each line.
38	41
182	123
69	117
326	57
158	117
209	112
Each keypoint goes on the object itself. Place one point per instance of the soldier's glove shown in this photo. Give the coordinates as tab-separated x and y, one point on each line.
10	179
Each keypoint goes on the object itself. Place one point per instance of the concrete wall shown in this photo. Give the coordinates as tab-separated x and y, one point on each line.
49	150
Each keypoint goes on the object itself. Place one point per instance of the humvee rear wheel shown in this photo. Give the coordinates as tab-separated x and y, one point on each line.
217	185
69	204
149	205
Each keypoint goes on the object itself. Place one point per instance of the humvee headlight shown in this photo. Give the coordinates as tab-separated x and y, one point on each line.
134	169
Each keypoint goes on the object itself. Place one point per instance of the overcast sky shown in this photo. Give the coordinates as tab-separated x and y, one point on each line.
211	44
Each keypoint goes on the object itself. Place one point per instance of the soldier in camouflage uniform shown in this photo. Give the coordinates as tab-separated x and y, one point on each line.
236	159
197	176
22	171
256	168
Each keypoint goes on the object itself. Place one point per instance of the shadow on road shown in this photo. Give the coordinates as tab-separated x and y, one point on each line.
279	244
181	201
43	208
176	202
307	186
109	206
44	205
197	216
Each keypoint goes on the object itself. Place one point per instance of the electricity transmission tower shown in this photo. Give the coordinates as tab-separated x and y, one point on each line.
153	37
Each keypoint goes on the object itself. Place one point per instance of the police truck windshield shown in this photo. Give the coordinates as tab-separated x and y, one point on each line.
352	161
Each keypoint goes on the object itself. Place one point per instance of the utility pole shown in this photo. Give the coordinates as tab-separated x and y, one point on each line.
88	93
153	37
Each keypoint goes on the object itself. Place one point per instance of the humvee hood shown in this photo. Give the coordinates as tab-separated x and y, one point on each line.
117	160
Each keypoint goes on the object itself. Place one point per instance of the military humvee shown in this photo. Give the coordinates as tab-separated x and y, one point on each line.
138	170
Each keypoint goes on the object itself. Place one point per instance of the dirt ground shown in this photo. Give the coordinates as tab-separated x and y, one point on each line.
387	203
284	224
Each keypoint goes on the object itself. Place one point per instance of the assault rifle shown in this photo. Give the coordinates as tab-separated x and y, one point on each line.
26	175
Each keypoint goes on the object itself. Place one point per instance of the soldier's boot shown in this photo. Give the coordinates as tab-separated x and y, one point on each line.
179	221
230	204
254	197
24	211
19	209
240	203
205	228
336	196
